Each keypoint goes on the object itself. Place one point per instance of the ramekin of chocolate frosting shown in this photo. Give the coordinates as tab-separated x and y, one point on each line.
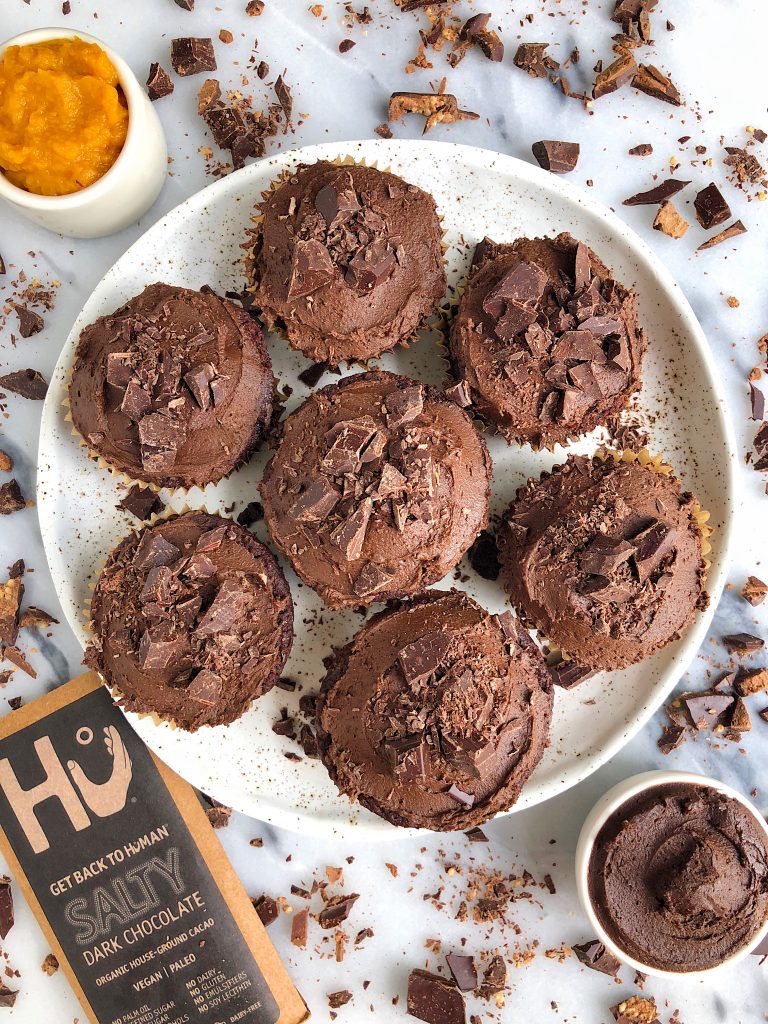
672	872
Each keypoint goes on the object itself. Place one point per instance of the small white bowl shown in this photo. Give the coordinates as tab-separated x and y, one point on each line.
595	820
132	183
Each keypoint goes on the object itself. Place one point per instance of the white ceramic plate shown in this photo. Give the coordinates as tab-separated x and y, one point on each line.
478	192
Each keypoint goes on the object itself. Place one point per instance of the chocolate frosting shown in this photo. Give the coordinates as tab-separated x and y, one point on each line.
192	619
437	712
604	558
379	486
545	340
174	388
678	877
347	260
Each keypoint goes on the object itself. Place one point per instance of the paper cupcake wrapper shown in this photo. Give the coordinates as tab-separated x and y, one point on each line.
276	326
554	654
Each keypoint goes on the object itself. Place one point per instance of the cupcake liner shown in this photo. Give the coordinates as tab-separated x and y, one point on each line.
276	325
554	654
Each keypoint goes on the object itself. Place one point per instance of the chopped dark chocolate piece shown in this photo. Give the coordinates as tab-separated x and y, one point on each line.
208	94
594	954
205	687
267	909
532	58
226	609
340	998
185	5
36	618
494	977
568	674
459	393
671	738
159	82
154	550
11	594
349	535
15	656
312	268
370	266
422	658
27	383
252	513
218	814
669	221
751	680
311	376
191	56
711	207
761	449
757	402
737	228
740	720
657	194
754	590
437	108
383	131
284	97
555	156
651	546
141	502
198	381
336	201
7	995
337	910
484	556
11	498
6	906
743	643
706	710
465	799
404	405
652	82
371	579
604	555
475	30
463	969
346	45
476	835
160	437
434	999
615	76
643	149
30	322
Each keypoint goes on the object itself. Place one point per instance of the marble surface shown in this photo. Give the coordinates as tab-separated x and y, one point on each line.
341	97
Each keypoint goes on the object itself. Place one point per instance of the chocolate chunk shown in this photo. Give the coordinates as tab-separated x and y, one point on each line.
205	688
17	570
185	5
437	108
711	207
669	221
484	556
141	502
421	658
11	594
311	376
652	82
316	503
158	648
198	381
737	228
523	284
228	608
254	8
312	268
370	266
15	656
459	393
671	738
347	439
36	618
434	999
465	799
27	383
740	719
615	76
474	30
643	149
267	909
706	710
578	346
6	906
50	965
557	157
160	438
11	498
346	45
532	58
463	969
602	326
284	97
476	835
153	549
208	94
299	929
252	513
594	954
761	449
7	995
199	567
218	814
30	322
404	405
757	402
337	201
603	555
665	190
743	643
751	680
191	56
371	579
337	910
159	82
754	590
136	402
211	540
568	674
494	977
119	369
651	546
349	535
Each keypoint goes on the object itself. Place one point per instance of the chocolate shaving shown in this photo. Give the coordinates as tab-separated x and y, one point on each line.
665	190
27	383
284	97
555	156
757	403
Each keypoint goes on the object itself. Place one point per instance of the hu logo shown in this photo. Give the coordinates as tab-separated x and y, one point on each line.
102	799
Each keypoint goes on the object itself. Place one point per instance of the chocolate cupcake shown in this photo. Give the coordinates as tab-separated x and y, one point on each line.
545	341
436	714
678	877
604	556
192	620
379	486
174	388
347	260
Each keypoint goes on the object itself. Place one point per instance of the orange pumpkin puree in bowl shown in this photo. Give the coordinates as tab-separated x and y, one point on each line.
63	116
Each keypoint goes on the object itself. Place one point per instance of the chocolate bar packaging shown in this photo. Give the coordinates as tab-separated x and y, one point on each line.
117	859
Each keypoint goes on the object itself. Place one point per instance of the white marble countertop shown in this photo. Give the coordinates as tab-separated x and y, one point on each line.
715	55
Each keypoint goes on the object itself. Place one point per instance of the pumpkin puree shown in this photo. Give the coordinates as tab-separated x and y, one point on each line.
63	116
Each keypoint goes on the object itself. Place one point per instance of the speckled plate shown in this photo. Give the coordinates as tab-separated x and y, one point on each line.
478	192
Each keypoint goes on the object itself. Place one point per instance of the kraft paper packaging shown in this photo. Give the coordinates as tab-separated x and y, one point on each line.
122	869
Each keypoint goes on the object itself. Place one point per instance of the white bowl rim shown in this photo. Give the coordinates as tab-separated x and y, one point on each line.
610	802
133	94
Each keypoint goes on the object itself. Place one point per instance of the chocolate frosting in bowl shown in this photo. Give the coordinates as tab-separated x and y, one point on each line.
436	713
192	619
546	342
347	260
379	486
605	558
678	877
174	388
